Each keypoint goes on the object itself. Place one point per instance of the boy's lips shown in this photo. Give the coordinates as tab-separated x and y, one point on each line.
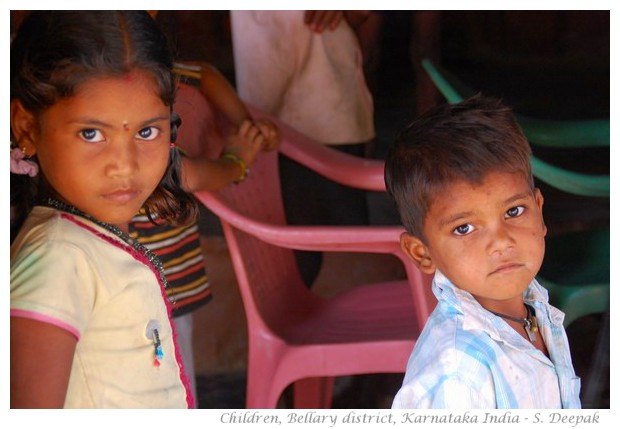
506	268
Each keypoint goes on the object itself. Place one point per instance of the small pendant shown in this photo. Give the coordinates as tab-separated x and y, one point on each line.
152	333
531	327
159	353
534	324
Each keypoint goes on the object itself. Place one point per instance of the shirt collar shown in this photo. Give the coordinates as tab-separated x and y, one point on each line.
478	317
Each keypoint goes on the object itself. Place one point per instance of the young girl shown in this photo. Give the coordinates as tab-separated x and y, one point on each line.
91	97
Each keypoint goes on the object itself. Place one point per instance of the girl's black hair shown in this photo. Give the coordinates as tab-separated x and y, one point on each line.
54	52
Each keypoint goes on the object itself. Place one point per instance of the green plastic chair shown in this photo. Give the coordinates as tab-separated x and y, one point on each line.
540	132
576	266
587	185
576	273
573	134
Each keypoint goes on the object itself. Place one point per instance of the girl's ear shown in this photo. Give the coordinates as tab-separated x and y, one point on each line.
417	252
23	127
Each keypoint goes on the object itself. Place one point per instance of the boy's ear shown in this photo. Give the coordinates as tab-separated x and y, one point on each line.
417	252
539	202
24	127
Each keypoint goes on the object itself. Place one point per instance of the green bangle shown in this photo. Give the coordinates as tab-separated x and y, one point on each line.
240	162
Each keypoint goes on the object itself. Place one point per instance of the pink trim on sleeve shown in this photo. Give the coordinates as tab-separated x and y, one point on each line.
32	315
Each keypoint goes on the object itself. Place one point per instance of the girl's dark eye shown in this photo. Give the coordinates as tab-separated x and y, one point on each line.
148	133
91	135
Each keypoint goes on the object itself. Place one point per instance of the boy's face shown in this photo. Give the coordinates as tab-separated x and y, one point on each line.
488	239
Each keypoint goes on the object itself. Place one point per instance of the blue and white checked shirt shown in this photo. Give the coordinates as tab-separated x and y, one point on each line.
466	357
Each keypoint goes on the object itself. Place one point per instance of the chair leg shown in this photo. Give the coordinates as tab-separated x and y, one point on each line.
261	392
264	381
313	392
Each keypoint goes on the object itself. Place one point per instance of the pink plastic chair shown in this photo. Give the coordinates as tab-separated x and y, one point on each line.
295	336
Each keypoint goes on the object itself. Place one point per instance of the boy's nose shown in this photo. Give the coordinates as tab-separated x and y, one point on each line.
500	241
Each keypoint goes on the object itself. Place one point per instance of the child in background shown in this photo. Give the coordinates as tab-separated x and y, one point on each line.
216	153
306	69
91	100
462	182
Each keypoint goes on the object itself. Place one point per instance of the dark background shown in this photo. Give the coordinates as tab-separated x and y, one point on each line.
548	64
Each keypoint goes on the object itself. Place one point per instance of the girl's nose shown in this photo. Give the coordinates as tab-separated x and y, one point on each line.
122	159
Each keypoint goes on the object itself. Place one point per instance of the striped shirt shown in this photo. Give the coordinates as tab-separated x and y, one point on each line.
179	249
466	357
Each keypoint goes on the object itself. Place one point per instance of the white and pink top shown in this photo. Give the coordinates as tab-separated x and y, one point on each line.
72	273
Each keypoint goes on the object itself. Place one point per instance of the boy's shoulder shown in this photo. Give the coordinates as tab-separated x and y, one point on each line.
455	329
448	355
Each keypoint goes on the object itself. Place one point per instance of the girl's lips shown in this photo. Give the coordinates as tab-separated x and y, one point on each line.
121	196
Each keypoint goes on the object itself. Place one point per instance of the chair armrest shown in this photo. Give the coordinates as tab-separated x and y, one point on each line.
339	167
380	239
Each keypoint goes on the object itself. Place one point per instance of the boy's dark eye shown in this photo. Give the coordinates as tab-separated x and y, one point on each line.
463	229
515	211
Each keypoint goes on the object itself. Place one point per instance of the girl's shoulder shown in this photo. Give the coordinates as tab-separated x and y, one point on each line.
54	230
43	224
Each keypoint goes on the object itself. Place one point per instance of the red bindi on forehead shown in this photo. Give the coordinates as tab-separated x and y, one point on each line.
130	76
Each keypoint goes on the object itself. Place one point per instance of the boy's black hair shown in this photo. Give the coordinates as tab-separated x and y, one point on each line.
452	142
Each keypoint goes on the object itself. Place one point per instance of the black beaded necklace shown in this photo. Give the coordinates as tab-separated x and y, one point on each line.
529	323
150	256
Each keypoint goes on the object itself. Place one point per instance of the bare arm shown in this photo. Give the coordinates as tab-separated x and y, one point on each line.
41	359
212	174
250	136
321	20
222	95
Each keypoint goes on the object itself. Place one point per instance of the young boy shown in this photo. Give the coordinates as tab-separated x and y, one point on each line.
461	179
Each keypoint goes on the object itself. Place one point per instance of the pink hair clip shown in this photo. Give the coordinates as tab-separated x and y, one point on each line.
21	165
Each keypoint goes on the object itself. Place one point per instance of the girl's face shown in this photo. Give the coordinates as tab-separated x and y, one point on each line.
105	149
488	239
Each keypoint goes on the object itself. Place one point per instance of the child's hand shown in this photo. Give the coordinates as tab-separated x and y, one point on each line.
246	142
270	132
321	20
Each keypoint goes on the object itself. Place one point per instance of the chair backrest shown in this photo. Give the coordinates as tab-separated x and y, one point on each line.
588	185
541	132
271	286
578	258
201	122
276	285
566	134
